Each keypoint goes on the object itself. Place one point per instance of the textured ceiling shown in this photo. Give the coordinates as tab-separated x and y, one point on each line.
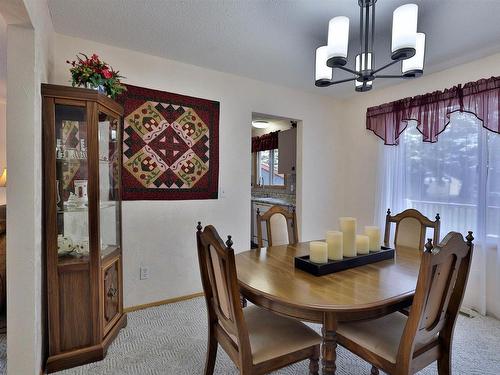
273	40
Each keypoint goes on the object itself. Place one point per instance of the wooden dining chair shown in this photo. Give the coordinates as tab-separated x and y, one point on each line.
411	228
281	226
258	341
401	345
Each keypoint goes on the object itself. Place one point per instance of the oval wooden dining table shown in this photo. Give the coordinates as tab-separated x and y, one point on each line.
268	278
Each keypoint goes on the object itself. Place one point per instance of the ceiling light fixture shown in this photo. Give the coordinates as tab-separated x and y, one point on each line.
408	46
260	124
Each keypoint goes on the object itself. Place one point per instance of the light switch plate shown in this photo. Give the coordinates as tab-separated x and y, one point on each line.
144	273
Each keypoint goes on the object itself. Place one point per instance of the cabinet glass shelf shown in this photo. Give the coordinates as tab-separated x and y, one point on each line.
103	206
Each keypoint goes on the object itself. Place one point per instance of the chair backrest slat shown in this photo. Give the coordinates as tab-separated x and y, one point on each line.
272	218
440	288
411	227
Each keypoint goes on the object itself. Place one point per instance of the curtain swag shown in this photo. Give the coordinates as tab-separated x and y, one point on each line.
265	142
432	111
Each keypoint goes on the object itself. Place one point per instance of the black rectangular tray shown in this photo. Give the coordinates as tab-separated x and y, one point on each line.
333	266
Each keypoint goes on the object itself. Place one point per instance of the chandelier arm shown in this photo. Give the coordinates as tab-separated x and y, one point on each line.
357	74
389	76
341	81
385	66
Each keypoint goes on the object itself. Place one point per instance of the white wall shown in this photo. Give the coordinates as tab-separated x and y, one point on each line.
28	61
3	151
161	234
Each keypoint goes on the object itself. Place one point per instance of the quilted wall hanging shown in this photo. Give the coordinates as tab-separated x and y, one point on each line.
170	146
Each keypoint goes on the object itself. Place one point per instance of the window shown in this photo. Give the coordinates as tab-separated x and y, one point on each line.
457	177
267	169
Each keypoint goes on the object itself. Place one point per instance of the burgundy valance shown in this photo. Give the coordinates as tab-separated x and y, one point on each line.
432	111
265	142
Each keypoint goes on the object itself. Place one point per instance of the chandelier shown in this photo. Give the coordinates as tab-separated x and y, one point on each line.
408	46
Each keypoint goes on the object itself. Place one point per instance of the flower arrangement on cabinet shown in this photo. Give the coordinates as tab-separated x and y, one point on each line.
92	72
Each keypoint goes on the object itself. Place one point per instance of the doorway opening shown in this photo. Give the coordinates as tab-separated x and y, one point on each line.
274	167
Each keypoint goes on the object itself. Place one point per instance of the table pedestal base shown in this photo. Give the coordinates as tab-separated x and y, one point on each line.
329	345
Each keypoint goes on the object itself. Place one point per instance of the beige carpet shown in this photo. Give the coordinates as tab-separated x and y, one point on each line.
171	339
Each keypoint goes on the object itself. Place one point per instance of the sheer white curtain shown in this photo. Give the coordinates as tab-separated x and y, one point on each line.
459	178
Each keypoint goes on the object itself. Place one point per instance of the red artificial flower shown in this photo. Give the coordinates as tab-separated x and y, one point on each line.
106	73
95	57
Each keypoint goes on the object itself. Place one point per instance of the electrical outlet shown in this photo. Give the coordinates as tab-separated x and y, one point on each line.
144	273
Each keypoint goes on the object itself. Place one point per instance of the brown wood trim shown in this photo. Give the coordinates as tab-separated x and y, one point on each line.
113	332
107	111
111	257
94	222
50	199
108	326
119	220
162	302
70	102
112	323
75	358
68	92
72	267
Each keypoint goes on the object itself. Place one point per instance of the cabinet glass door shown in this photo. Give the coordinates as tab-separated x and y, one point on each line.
109	183
71	183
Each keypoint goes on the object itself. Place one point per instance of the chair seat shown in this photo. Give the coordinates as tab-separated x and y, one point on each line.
380	336
273	336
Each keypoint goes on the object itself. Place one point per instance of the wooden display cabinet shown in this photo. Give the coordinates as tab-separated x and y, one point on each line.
82	223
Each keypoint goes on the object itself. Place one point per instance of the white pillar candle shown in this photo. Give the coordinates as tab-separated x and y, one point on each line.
318	252
348	229
334	241
362	244
374	234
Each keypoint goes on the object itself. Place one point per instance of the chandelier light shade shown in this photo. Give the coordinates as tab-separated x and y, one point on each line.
407	48
414	66
404	31
323	72
338	41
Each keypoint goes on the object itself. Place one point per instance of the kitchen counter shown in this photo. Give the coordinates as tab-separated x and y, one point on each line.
274	201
